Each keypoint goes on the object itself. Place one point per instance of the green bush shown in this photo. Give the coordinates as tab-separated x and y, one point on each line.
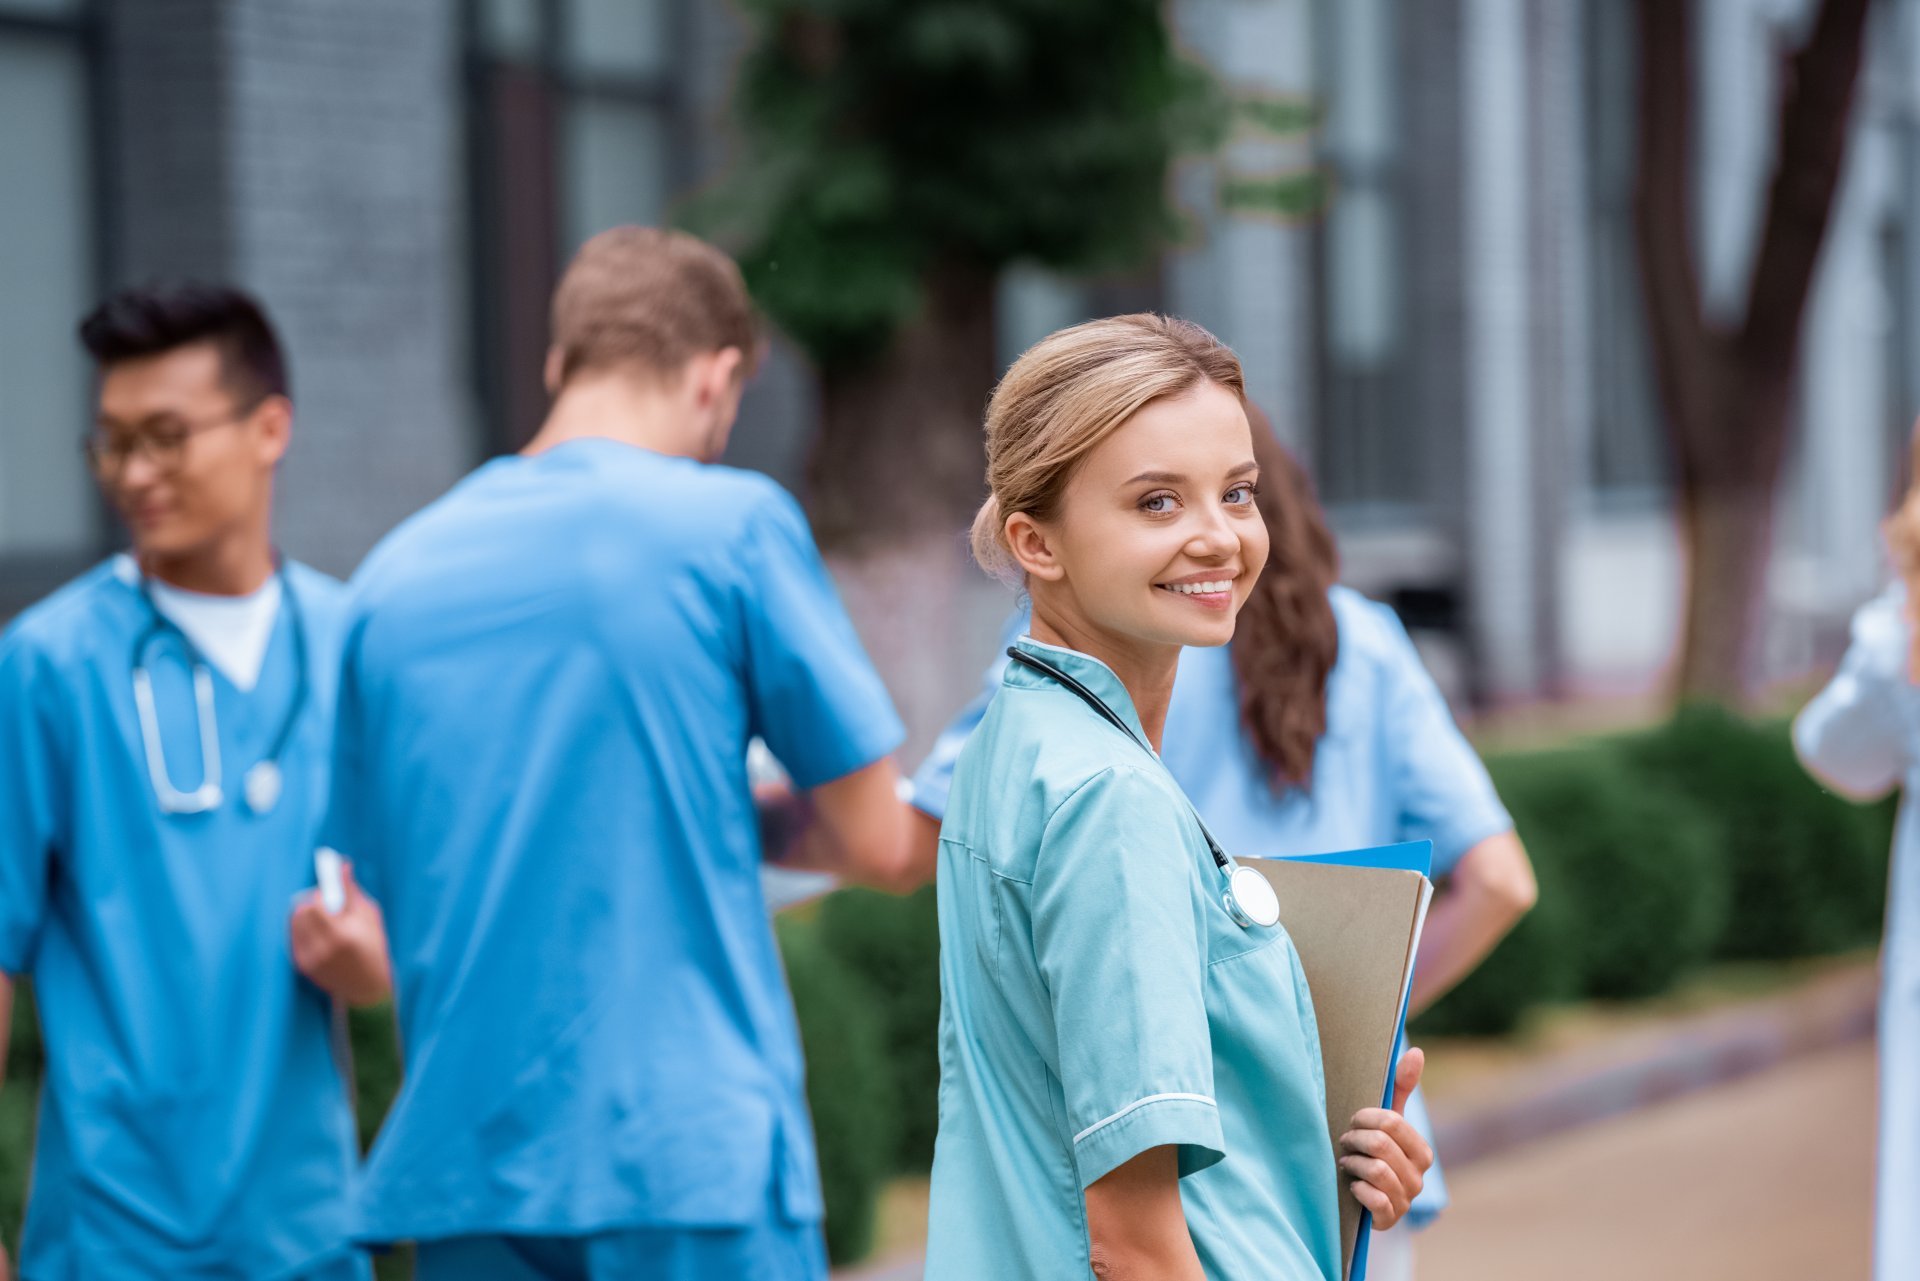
1533	965
376	1066
26	1058
893	944
1641	871
848	1087
19	1108
1808	870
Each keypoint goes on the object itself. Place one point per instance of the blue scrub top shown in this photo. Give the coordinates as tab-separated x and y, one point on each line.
192	1120
1097	1000
1391	766
551	678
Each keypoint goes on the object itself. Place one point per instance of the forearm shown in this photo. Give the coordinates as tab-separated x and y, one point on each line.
857	828
1169	1259
1491	888
1136	1224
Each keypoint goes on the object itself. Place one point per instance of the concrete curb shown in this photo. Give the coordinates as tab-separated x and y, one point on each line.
1654	1065
1619	1076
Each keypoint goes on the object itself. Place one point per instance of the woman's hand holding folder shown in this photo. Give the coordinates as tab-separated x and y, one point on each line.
1386	1157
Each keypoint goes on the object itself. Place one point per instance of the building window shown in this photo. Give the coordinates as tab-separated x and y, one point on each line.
575	115
1626	448
1367	451
51	521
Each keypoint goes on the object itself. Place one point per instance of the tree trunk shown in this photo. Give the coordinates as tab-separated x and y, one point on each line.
901	449
895	477
1726	388
1726	522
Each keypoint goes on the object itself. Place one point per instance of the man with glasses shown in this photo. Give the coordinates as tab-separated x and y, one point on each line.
165	725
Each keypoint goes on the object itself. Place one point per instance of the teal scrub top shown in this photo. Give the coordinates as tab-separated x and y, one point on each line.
192	1122
1098	1001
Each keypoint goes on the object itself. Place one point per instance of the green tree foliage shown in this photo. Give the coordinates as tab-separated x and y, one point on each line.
886	142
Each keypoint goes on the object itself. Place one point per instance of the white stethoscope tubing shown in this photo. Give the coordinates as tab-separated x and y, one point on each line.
172	800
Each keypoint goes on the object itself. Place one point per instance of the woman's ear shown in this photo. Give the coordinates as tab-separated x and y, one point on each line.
1032	550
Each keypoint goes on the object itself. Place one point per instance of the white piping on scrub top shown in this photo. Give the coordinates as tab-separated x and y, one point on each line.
1136	1105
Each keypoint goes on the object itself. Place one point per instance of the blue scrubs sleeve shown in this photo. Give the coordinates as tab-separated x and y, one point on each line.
812	694
1118	937
30	784
1439	783
1853	736
934	779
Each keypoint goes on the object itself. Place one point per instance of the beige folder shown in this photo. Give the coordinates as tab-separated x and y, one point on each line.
1356	930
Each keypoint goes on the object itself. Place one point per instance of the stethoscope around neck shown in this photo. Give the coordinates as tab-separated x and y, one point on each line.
1248	896
264	780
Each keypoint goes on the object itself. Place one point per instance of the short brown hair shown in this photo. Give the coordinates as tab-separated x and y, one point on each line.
651	299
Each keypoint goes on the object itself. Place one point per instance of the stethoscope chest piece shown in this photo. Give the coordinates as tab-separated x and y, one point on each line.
1250	899
262	788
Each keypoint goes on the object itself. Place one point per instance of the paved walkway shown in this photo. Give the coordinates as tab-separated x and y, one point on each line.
1766	1179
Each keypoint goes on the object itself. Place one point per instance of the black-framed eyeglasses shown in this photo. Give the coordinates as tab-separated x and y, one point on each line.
163	440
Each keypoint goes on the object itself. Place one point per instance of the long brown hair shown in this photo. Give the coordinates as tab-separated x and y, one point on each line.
1285	641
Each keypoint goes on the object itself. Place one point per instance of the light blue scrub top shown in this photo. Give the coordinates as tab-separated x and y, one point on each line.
551	678
1861	736
1392	766
1096	1000
192	1120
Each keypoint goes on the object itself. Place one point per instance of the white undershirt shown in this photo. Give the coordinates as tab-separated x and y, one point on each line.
232	631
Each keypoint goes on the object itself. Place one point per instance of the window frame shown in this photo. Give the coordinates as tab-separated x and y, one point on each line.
1346	394
26	577
1615	351
502	317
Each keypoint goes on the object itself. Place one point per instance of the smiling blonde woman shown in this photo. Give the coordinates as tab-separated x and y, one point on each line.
1130	1069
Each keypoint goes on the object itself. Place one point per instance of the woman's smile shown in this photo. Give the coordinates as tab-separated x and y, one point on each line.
1211	590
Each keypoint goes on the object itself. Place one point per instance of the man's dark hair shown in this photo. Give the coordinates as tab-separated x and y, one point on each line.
154	319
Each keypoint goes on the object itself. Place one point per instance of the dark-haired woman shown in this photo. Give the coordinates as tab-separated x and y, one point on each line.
1318	729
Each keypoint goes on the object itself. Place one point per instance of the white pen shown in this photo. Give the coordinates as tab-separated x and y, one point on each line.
326	871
